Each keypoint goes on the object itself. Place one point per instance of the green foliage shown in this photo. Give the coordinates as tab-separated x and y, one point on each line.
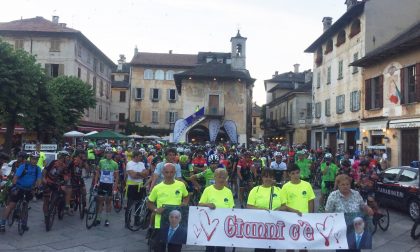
132	128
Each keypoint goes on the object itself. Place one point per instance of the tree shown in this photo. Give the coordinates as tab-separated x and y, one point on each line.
20	79
71	97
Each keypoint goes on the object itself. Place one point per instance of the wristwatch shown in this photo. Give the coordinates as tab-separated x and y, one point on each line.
155	210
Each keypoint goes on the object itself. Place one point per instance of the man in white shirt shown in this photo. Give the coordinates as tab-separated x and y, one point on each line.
279	167
136	172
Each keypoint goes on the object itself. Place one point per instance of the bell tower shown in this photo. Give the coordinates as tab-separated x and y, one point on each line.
238	52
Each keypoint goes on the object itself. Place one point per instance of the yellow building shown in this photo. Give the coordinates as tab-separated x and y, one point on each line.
120	87
154	101
257	132
391	95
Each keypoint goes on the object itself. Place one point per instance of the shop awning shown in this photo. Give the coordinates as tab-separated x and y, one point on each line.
374	125
405	123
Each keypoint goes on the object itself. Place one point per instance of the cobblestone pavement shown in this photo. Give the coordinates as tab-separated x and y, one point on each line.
71	234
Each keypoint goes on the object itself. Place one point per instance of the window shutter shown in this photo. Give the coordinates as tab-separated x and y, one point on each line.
352	96
151	94
381	91
134	93
159	94
167	116
358	94
61	69
142	93
176	94
402	90
175	116
48	69
367	95
337	107
418	82
168	94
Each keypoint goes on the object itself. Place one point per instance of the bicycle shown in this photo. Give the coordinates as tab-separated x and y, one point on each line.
329	186
20	215
380	215
55	206
415	231
118	198
138	215
78	203
91	212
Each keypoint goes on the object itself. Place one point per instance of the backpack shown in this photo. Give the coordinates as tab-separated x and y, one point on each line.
25	170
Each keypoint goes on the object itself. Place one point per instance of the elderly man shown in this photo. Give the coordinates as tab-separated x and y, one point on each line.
174	234
158	176
169	192
359	238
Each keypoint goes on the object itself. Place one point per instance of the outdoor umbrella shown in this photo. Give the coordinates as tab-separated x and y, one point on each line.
91	133
107	134
74	134
134	136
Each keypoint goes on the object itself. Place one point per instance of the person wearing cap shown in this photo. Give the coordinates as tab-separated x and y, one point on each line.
279	167
304	166
27	176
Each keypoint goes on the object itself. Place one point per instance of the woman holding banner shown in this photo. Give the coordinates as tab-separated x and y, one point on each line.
217	196
267	197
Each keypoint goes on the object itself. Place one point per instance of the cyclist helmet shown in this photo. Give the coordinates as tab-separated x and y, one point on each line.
91	145
61	154
364	163
346	163
220	148
108	150
183	159
34	154
328	155
187	151
300	153
180	150
214	159
277	154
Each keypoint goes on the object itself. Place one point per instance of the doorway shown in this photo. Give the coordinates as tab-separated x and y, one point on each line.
409	146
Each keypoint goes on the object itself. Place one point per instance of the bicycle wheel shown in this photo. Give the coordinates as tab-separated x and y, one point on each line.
383	220
23	217
415	230
117	201
49	220
91	214
133	216
11	218
374	224
82	206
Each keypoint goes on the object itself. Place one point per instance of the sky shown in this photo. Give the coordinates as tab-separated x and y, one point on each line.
277	31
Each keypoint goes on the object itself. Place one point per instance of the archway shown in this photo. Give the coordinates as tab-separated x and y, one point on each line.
198	134
222	136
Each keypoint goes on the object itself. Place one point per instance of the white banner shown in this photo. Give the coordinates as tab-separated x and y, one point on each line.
250	228
43	147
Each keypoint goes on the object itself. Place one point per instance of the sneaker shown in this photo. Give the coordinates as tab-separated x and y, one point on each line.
97	222
106	223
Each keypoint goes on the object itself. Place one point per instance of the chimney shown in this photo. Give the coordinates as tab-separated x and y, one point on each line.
121	61
55	19
63	25
170	51
327	22
350	3
136	51
296	66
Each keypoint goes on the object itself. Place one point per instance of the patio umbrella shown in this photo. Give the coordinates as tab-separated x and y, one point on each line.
151	137
91	133
107	134
74	134
134	136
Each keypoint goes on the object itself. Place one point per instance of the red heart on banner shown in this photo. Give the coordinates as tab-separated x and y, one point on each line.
197	231
326	228
337	237
208	226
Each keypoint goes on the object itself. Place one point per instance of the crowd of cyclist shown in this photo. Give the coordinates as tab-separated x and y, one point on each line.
139	168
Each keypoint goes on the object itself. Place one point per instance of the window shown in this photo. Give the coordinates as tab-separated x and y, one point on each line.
100	111
54	45
340	106
391	175
318	80
137	117
19	44
106	113
79	72
340	70
107	90
318	109
308	110
170	75
154	94
239	50
159	75
408	176
355	68
172	117
138	93
318	59
122	96
126	77
121	117
254	131
148	74
79	50
354	28
254	121
374	93
341	38
329	46
101	67
88	77
410	84
112	77
94	85
355	101
95	64
329	75
54	70
101	88
155	117
172	95
328	107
